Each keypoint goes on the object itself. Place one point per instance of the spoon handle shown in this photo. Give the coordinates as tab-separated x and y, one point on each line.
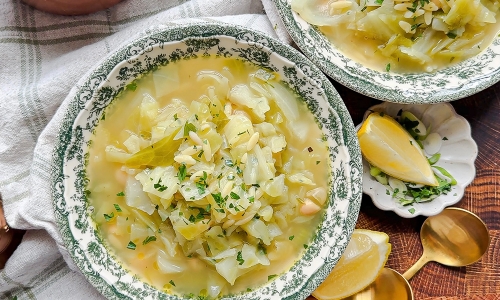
416	267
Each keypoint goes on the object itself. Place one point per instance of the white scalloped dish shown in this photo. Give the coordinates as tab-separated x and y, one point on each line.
458	153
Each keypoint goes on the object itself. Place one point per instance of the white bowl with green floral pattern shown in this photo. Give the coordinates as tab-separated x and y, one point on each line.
459	81
159	46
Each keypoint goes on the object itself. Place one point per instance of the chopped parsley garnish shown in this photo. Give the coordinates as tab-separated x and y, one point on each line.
181	174
160	187
251	199
172	282
120	194
388	67
271	276
131	245
221	202
229	163
192	219
239	258
131	86
445	138
117	207
411	210
451	35
175	117
189	127
201	185
291	237
305	246
201	188
415	26
109	217
149	239
234	196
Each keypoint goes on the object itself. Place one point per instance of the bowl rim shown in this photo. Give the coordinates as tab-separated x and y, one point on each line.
364	83
177	33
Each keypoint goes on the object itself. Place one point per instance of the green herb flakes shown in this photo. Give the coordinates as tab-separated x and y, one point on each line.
189	127
109	217
131	245
117	207
149	239
182	173
239	258
160	187
131	86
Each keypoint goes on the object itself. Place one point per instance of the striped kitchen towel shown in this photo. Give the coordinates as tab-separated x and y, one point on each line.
42	57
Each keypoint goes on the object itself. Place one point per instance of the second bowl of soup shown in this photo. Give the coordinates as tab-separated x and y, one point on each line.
401	51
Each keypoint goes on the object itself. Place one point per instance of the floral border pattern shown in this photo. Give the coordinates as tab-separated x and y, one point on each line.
162	46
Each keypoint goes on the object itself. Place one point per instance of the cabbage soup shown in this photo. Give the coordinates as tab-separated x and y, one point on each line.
405	35
207	177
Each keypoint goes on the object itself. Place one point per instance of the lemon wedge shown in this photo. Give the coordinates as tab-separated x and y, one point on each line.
363	259
388	146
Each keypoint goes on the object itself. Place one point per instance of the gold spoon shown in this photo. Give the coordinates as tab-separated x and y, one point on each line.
455	237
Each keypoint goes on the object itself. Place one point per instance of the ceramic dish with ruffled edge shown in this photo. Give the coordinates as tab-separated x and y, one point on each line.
458	153
164	45
461	80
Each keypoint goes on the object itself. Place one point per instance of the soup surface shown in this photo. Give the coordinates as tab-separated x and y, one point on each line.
207	177
405	35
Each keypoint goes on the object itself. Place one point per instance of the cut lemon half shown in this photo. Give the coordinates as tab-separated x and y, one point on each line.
363	259
388	146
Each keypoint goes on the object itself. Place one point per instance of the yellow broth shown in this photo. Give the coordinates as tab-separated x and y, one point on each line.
139	239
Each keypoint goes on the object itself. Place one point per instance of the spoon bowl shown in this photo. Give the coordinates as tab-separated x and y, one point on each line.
389	284
455	237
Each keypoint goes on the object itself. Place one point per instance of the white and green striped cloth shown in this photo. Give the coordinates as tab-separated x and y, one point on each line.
42	56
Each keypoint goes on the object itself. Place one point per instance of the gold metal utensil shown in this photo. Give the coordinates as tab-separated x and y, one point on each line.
388	285
455	237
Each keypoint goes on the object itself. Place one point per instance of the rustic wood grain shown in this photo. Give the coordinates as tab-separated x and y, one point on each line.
478	281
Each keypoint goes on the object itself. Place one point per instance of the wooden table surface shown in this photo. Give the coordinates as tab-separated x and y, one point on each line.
482	279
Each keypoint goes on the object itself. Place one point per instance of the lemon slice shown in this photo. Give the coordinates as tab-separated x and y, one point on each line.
388	146
362	261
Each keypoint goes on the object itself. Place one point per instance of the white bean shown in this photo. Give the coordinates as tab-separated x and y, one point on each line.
195	138
190	150
309	207
253	141
207	150
227	189
186	159
244	158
